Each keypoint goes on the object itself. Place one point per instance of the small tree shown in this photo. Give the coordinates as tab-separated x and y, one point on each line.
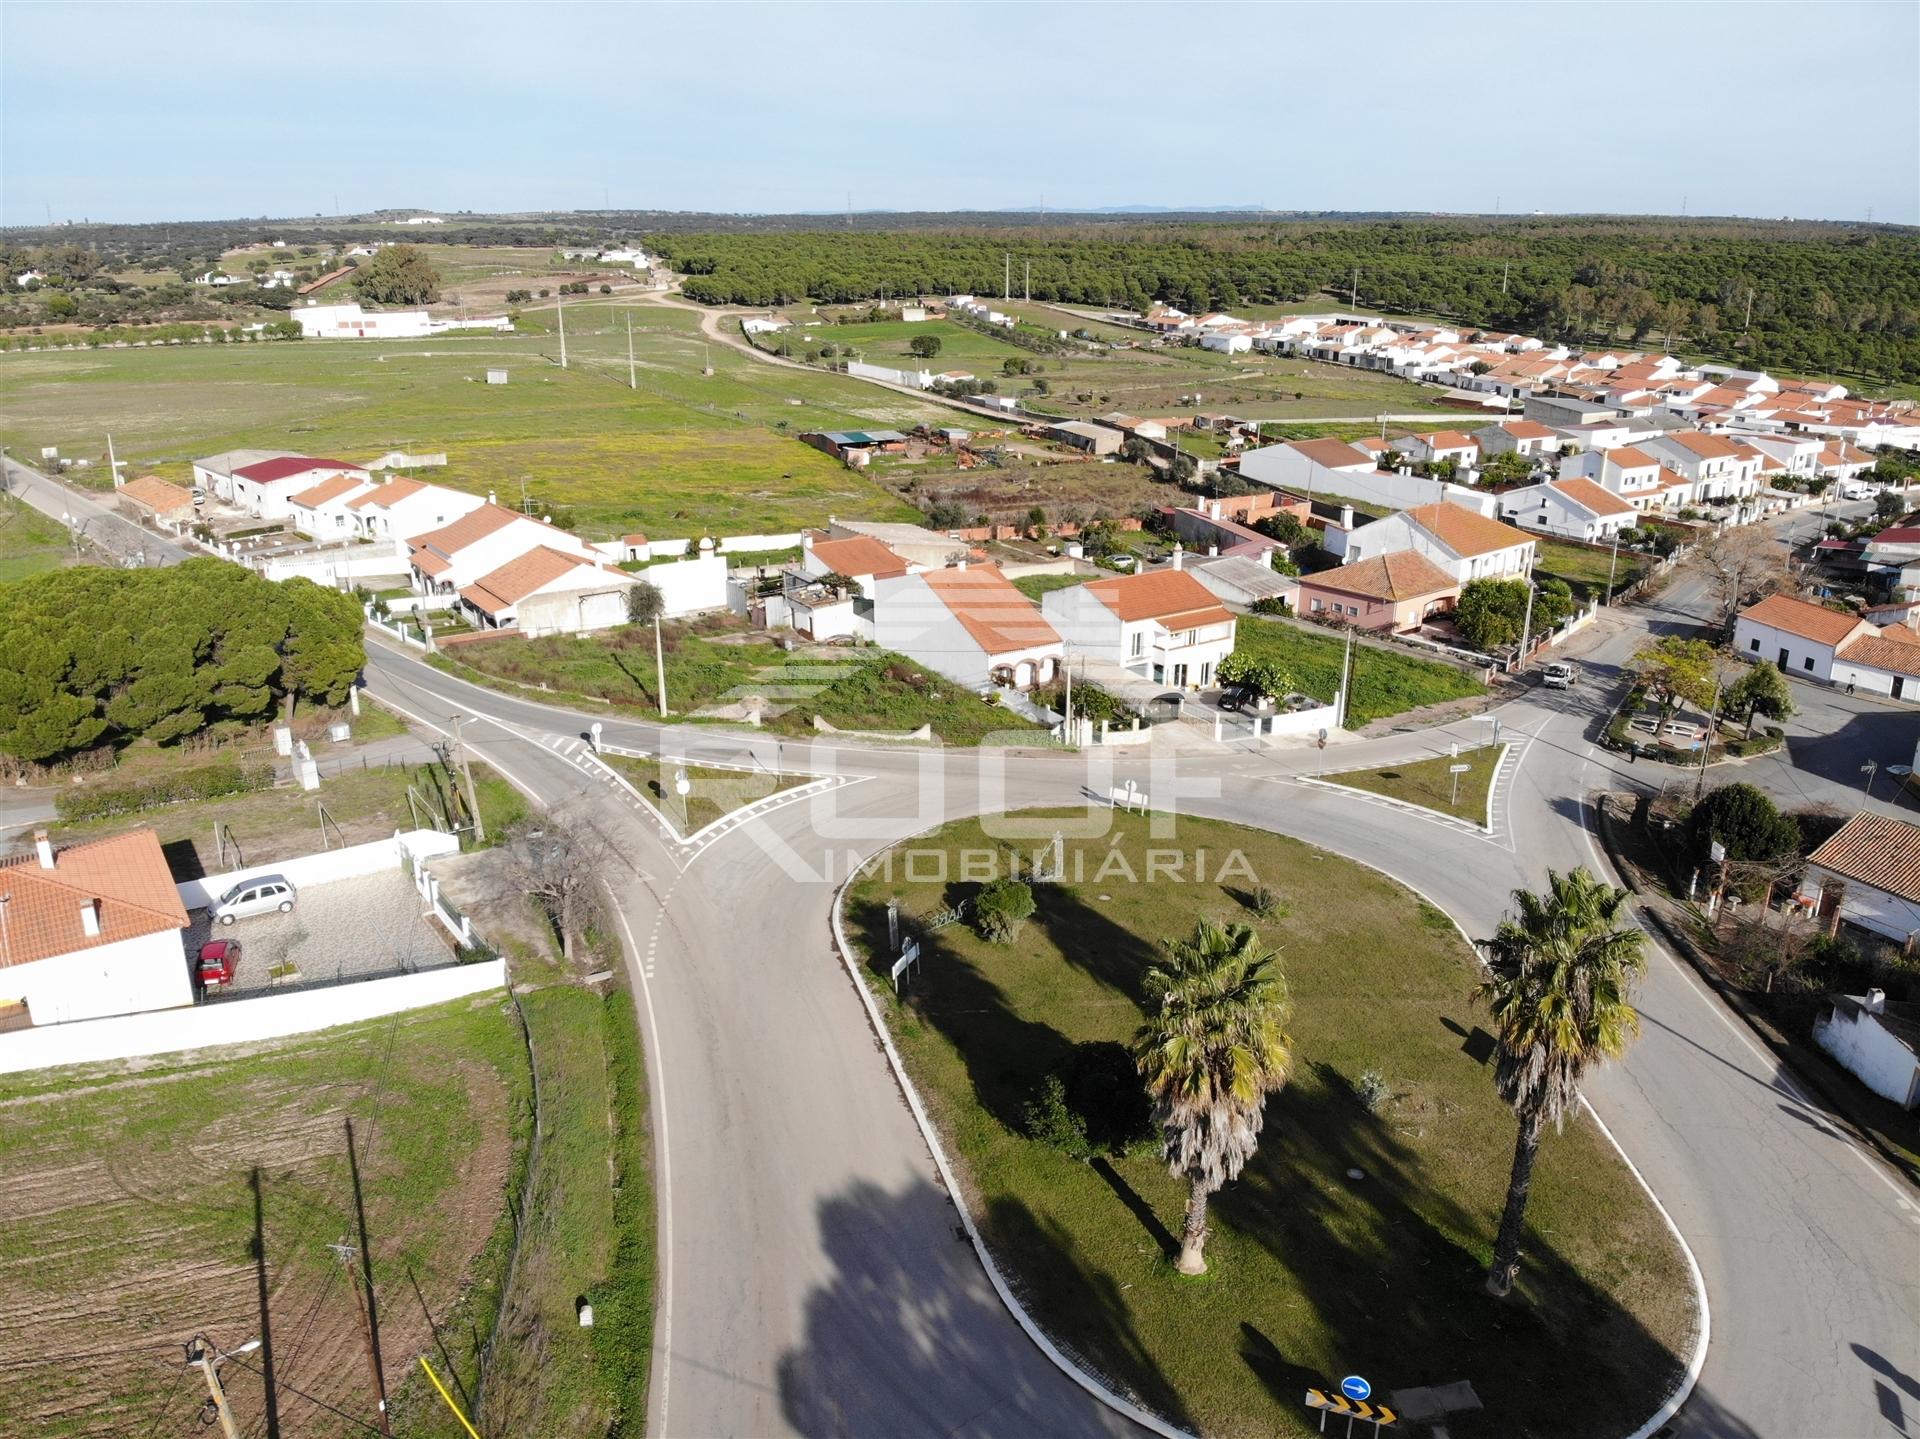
556	863
1761	690
1746	821
1001	909
644	604
398	275
924	347
1676	670
1489	612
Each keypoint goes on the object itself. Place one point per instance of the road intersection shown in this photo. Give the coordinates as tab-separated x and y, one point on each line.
812	1277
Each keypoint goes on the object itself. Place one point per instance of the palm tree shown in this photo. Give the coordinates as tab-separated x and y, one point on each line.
1211	1052
1557	989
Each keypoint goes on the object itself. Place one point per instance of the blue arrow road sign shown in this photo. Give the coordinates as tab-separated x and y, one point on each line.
1355	1388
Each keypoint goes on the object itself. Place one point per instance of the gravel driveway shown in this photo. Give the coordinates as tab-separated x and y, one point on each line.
362	927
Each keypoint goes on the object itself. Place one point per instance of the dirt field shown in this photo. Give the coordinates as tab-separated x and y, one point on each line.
129	1220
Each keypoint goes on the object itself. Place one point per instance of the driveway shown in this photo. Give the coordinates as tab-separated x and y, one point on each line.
350	929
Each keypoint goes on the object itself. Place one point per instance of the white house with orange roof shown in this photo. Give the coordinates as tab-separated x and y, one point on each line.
1626	470
1163	624
262	481
448	560
1305	464
1573	508
1466	545
399	508
1435	446
970	625
1797	635
1517	437
321	512
859	558
546	591
1712	464
90	929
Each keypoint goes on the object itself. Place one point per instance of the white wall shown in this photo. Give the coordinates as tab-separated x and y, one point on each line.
1087	625
359	562
1883	1063
146	972
1762	643
910	619
239	1021
332	864
689	586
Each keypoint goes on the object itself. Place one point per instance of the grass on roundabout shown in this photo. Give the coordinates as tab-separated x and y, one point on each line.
712	794
1313	1274
1430	783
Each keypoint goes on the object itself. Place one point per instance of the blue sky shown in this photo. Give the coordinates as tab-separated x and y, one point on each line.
161	112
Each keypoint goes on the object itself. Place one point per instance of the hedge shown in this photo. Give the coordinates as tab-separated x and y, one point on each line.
208	782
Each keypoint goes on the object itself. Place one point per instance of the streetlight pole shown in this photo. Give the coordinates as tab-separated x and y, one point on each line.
1611	563
1869	769
1706	748
1526	628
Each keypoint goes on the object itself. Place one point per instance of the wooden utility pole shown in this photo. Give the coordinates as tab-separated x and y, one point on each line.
466	773
347	1253
562	308
200	1351
632	382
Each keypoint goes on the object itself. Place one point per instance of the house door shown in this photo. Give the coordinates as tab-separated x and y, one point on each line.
1899	683
1179	677
1783	657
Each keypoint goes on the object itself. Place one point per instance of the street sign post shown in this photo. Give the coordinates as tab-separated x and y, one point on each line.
1456	770
1344	1403
909	956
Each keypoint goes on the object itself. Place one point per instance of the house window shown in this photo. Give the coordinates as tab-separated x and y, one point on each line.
1754	643
1318	606
1192	638
1807	663
1139	643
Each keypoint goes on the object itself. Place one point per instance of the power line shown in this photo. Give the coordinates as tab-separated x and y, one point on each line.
167	1404
310	1398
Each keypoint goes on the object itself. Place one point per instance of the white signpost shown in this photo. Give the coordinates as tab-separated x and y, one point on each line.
909	956
1456	770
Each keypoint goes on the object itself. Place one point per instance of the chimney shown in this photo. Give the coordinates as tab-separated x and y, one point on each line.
492	498
806	539
1876	1002
1213	509
1346	517
90	918
1212	551
45	848
1179	562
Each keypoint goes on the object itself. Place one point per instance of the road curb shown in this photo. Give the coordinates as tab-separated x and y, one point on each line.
1060	1359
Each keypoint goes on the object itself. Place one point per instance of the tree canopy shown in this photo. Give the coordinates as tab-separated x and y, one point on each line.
1491	613
92	657
1746	821
1677	670
398	275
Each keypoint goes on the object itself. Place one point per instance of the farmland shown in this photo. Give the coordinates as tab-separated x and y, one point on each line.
682	453
131	1219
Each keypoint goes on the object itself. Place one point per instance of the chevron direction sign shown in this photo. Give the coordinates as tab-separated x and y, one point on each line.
1352	1409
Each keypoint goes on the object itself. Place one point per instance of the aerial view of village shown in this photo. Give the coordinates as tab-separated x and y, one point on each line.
775	719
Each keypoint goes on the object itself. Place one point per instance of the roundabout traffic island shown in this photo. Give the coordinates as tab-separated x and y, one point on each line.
1016	1027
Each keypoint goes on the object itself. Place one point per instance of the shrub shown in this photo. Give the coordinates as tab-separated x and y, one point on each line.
1746	821
1104	1091
1001	908
208	782
1371	1090
1048	1119
1266	902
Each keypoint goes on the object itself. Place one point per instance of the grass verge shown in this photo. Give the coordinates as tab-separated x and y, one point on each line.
1385	682
1430	783
1315	1273
715	793
1585	570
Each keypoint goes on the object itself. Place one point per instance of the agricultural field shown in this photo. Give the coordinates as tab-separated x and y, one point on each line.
680	454
132	1219
1355	1240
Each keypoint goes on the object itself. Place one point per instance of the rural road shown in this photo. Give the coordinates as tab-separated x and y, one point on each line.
120	537
812	1278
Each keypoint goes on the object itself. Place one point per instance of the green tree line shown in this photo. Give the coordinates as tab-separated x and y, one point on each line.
1828	299
93	657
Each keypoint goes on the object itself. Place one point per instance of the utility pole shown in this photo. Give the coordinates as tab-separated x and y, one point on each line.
1526	628
1353	295
1026	284
1747	324
1706	748
563	334
346	1253
632	382
1615	560
1505	270
1006	279
113	465
200	1351
466	771
660	666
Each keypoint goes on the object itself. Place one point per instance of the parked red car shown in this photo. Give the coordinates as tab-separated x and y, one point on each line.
219	962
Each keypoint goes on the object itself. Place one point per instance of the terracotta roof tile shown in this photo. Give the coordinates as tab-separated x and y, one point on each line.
519	577
127	873
1464	532
156	494
1877	850
1332	454
858	556
1401	575
1596	498
330	489
389	493
1799	617
1882	652
1168	596
989	608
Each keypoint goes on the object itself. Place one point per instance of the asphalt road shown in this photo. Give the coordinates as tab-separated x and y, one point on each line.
96	521
814	1280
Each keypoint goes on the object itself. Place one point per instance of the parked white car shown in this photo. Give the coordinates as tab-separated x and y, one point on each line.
263	894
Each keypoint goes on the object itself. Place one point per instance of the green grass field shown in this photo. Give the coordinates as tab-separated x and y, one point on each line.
30	542
1431	784
139	1230
1385	682
1036	587
1584	569
864	689
1313	1273
684	453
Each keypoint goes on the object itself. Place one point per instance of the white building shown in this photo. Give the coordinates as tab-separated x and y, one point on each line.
970	625
1877	1041
1236	343
448	560
400	508
1798	636
546	592
636	258
1869	870
1518	437
1435	446
1574	509
1466	545
1712	464
859	558
349	322
91	929
1165	624
1304	464
264	482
